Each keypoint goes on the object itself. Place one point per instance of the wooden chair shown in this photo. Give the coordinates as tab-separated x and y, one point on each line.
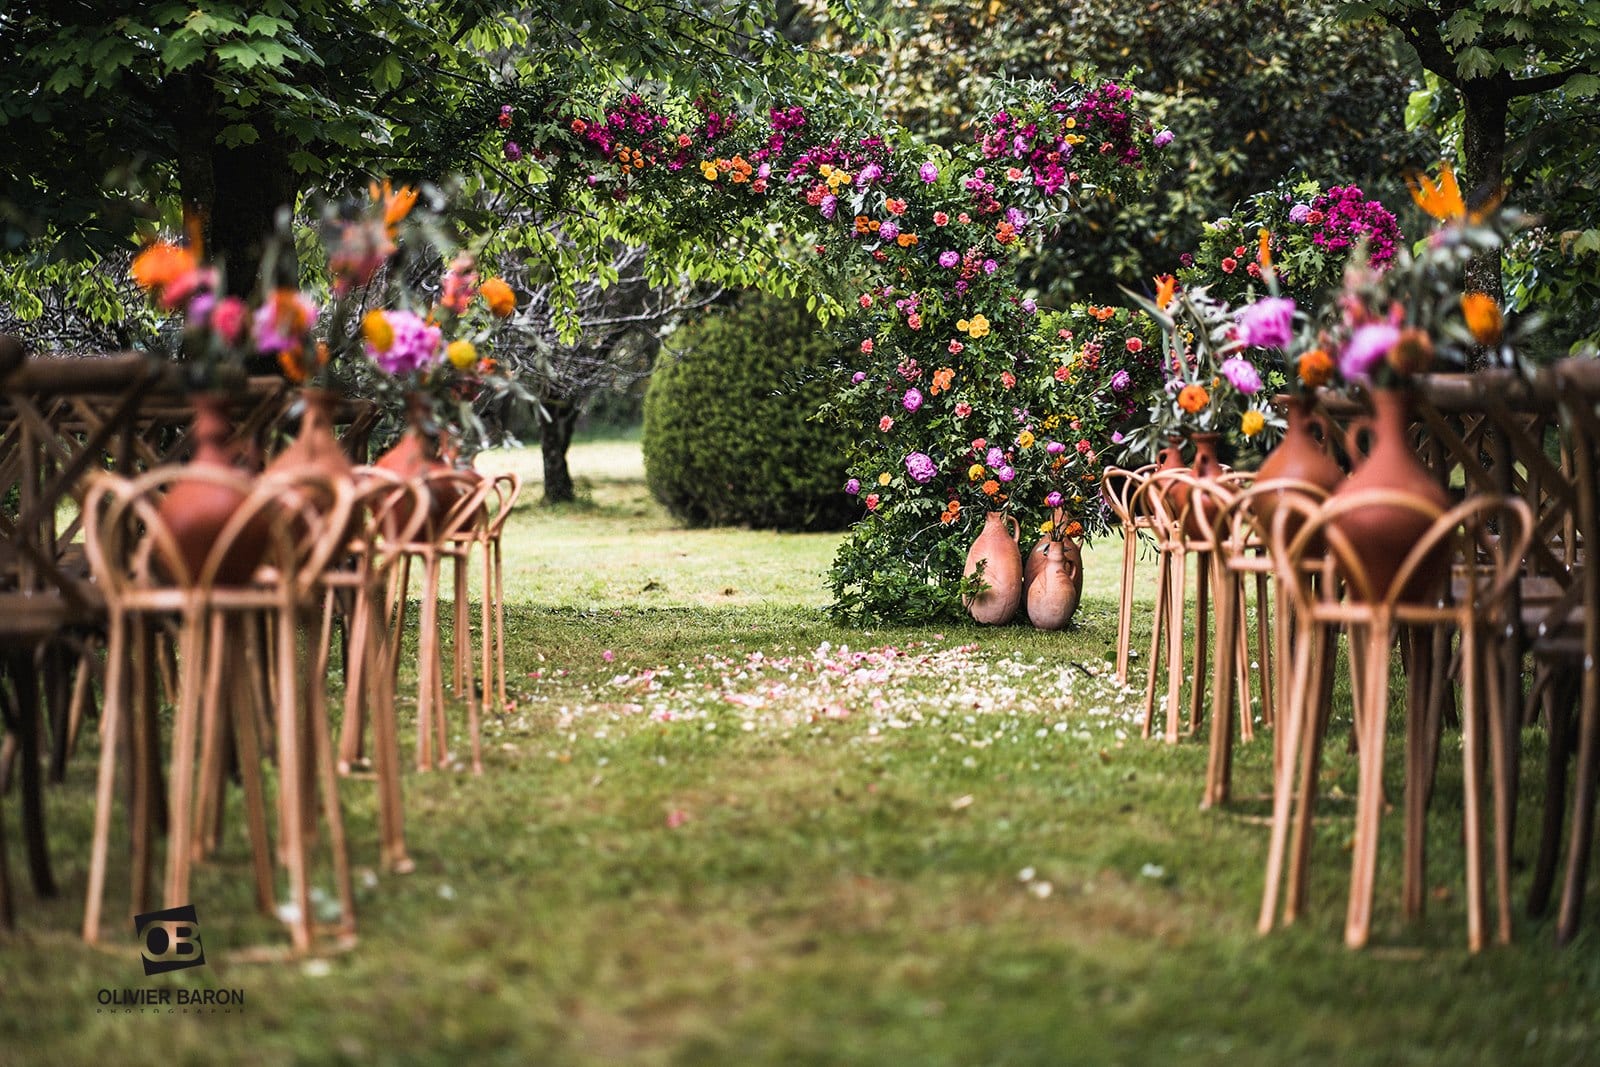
1242	554
449	533
136	562
393	512
1486	536
504	491
1182	508
1117	488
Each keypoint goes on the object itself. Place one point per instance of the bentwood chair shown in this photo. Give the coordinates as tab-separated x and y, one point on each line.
1242	554
1117	488
504	491
302	521
392	511
1458	575
456	514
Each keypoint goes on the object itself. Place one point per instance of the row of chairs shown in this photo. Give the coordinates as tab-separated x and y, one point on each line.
1284	539
251	658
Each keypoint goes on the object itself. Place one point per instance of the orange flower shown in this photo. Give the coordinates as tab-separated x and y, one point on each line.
1264	254
1193	397
498	295
991	487
906	240
397	203
1315	368
1483	317
1073	529
1443	200
1101	314
1166	289
291	361
161	264
942	379
1005	233
861	224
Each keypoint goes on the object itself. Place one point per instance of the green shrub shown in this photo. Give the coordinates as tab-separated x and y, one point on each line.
729	438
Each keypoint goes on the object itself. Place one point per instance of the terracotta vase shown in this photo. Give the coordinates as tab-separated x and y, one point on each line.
1056	589
414	457
997	550
1169	458
1301	456
196	511
316	447
1382	535
1205	467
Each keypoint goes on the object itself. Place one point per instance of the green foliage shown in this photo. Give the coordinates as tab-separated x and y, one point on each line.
729	433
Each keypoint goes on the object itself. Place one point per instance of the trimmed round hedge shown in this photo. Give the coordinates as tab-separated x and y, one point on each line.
729	438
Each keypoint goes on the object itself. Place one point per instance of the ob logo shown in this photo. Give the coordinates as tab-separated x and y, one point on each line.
169	940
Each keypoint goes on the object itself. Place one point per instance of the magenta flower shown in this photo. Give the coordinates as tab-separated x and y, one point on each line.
1052	499
829	205
1162	139
853	486
1366	349
858	377
921	467
1120	381
1055	448
513	151
415	344
949	259
928	173
889	230
1268	323
270	331
1006	473
995	459
1242	375
912	400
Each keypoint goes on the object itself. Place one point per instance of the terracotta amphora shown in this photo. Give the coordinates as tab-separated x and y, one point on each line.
996	549
1301	456
196	511
1057	587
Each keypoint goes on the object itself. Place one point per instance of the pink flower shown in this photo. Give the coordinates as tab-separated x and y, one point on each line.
1366	349
1052	499
940	218
608	655
1134	344
872	501
914	321
885	424
1228	264
963	409
1268	323
229	319
676	818
955	346
866	346
1008	379
866	300
1242	375
912	400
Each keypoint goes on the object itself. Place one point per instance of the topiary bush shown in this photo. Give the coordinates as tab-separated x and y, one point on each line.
729	437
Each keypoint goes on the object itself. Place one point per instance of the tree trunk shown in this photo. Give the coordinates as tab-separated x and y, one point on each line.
555	436
1483	151
252	183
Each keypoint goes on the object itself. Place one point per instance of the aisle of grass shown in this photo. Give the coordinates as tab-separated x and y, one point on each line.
719	828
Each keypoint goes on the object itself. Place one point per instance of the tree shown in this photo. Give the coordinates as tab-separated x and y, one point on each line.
1493	53
620	324
1254	92
109	108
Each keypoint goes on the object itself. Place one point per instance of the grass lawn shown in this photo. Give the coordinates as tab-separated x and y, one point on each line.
719	828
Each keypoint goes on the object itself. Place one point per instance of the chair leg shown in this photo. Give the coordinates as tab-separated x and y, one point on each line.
1130	550
500	627
1219	762
185	725
1157	622
1559	701
1369	797
213	766
386	760
248	745
1313	731
1266	616
148	798
322	751
356	668
427	664
1502	723
1176	588
1472	790
1583	794
111	726
460	629
1238	653
1295	710
1202	623
291	820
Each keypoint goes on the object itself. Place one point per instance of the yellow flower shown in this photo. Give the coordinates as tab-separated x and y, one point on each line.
883	479
1046	526
709	170
461	354
978	327
1252	422
962	324
975	472
376	329
1025	439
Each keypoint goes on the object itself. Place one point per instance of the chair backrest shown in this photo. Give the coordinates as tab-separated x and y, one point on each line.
1244	522
393	512
504	489
1184	506
1485	537
293	524
1117	487
462	492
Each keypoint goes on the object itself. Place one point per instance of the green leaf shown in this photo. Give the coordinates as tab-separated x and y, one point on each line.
1476	63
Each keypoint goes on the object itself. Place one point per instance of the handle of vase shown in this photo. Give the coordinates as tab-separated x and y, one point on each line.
1016	528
